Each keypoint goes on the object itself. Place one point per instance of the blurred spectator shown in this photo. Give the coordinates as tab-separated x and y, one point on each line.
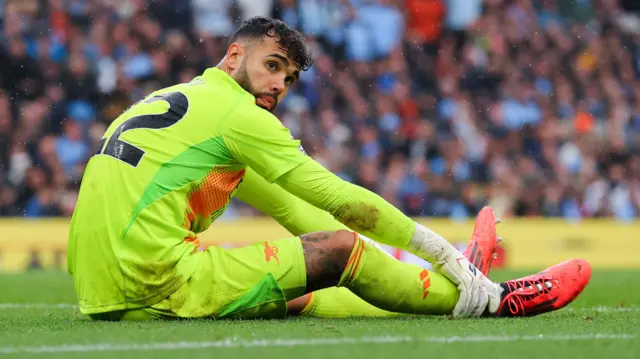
440	106
213	17
461	14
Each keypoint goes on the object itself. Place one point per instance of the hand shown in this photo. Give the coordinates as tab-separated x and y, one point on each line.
477	292
472	284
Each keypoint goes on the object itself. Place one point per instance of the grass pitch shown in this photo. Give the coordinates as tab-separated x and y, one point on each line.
38	320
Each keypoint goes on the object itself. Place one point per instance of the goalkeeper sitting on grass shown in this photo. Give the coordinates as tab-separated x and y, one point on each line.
167	168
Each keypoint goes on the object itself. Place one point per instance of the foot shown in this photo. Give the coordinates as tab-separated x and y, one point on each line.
549	290
482	247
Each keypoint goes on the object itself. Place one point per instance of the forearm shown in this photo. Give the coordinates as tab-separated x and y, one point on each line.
291	212
355	207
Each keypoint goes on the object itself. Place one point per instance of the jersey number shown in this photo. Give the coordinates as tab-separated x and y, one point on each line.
130	154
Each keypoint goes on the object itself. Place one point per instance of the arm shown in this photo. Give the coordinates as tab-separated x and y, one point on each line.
294	214
357	208
257	138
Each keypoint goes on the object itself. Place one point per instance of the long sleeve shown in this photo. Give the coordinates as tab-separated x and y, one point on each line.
293	213
355	207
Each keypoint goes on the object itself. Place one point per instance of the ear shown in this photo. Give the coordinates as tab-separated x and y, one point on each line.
235	54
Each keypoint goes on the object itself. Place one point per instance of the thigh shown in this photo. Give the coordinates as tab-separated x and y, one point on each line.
252	281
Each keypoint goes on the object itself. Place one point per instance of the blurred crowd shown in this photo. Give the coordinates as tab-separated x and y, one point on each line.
440	106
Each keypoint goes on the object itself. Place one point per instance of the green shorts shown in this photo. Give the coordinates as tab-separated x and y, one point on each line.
255	281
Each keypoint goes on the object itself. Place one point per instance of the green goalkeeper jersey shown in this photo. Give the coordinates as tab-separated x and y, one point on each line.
164	171
167	168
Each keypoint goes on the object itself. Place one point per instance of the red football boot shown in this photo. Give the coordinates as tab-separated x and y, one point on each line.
552	289
482	247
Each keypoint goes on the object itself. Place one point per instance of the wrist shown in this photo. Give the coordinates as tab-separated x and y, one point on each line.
430	246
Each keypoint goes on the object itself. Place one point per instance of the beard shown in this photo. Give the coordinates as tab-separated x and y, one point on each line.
242	78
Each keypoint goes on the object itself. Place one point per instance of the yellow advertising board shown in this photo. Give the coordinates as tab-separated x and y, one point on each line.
528	243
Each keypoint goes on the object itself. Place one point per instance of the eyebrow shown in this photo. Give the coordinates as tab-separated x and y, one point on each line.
286	62
283	58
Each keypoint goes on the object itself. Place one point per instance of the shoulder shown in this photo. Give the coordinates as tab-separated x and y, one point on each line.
247	114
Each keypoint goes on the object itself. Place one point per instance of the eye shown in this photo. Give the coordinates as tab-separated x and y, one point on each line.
289	80
272	65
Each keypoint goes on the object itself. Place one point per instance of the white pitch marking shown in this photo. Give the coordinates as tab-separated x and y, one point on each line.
272	343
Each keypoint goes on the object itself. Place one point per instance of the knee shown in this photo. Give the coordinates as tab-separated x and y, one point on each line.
338	243
326	256
342	241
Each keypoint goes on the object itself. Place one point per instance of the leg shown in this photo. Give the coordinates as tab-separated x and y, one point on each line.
254	281
335	302
391	285
325	256
342	258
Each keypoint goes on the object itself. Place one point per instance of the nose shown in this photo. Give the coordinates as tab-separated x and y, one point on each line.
277	87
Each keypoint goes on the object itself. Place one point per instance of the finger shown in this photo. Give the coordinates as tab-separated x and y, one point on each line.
462	307
481	304
474	302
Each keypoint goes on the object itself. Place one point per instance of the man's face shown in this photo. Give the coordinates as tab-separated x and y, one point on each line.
263	69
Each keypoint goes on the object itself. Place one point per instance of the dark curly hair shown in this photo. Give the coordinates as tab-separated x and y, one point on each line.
290	41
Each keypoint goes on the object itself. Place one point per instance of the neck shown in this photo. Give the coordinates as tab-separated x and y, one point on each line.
223	66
